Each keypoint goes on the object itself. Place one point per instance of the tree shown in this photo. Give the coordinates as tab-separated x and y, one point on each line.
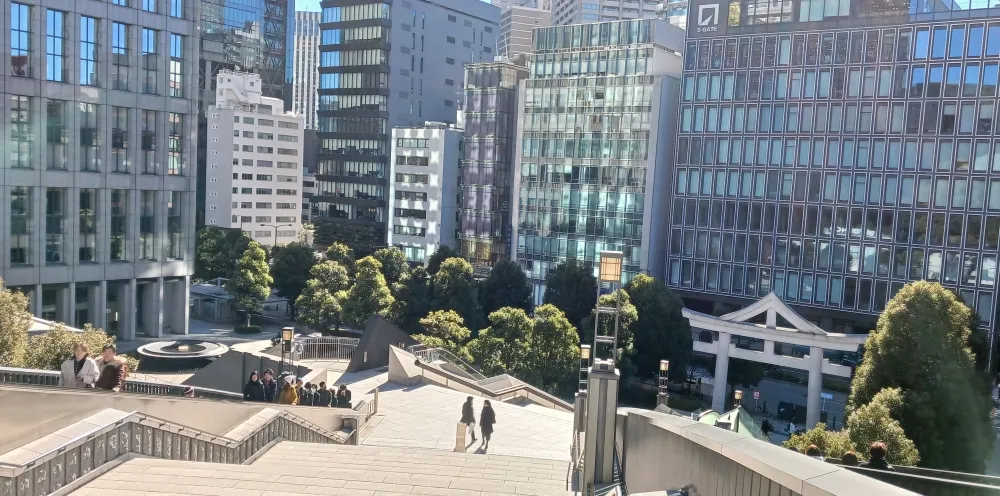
444	252
873	422
833	444
217	251
369	295
743	373
572	288
413	300
394	264
50	349
503	347
445	330
661	332
250	284
15	321
554	348
919	346
453	288
506	286
341	254
291	266
320	304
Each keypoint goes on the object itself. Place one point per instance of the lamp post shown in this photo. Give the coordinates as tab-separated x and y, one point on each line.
275	226
664	380
609	272
737	399
584	363
287	335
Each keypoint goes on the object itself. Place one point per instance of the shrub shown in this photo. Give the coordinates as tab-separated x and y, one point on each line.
247	329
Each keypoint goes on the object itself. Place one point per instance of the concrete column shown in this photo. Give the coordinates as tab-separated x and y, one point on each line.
815	386
153	308
97	306
599	434
175	301
721	372
66	305
36	301
126	311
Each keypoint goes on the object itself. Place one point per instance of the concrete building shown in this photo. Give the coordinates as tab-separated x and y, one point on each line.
368	86
98	171
254	176
424	186
583	11
833	165
490	119
516	24
591	175
532	4
305	64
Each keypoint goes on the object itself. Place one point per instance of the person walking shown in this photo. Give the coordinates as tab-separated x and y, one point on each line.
323	396
112	369
288	395
876	458
79	371
270	387
469	417
765	427
486	420
254	390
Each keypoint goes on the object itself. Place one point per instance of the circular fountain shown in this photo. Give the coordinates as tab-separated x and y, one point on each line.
176	356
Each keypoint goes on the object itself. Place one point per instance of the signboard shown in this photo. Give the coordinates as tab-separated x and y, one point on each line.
708	17
756	395
826	396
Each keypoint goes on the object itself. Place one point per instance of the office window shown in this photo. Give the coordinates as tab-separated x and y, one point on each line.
90	136
119	140
149	5
149	61
147	225
148	145
55	225
20	40
175	144
118	231
56	134
175	232
55	46
87	240
119	56
22	133
176	87
88	51
21	220
176	8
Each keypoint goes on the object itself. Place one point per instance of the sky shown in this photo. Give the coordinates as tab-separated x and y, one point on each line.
313	5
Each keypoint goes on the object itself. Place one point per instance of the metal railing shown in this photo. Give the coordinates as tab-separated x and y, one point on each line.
432	355
10	375
324	348
458	382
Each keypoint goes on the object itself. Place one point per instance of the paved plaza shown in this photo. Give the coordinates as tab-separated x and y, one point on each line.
316	469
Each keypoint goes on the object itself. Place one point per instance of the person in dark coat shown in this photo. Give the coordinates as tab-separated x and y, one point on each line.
343	397
301	391
323	397
876	459
270	386
113	370
469	417
254	390
486	420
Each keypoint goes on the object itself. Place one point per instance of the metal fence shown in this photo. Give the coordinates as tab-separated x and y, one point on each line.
433	355
10	375
324	348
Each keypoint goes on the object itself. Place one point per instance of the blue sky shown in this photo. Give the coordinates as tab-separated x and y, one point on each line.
313	5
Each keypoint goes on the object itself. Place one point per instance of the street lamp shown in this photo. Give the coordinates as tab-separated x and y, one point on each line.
610	272
737	397
584	363
664	381
275	226
611	266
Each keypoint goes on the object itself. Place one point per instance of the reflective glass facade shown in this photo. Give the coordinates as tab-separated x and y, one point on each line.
832	164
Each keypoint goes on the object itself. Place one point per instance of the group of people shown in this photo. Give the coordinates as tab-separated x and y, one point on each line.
82	371
876	457
487	417
294	391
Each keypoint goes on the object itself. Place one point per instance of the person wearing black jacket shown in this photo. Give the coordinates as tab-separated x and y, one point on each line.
876	459
343	397
469	417
486	420
254	390
323	397
270	387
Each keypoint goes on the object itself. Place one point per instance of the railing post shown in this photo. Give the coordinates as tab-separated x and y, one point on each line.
375	402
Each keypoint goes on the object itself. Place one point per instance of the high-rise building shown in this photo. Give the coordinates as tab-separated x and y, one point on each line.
305	61
832	152
532	4
491	108
99	107
580	11
595	146
369	86
516	25
254	176
423	189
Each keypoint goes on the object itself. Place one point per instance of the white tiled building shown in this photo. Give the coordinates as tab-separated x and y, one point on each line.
254	163
305	65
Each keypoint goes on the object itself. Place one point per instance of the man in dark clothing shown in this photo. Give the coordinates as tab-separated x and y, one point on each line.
343	397
301	392
876	458
323	396
112	368
307	397
469	417
270	386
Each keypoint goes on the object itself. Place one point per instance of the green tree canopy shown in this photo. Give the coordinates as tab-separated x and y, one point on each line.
833	444
661	332
572	288
503	347
340	253
15	321
446	330
453	288
919	346
217	250
626	320
413	300
251	282
290	269
320	304
506	286
444	252
555	352
394	264
50	349
369	295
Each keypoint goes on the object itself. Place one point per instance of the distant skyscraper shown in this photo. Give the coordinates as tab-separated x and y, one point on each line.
516	24
532	4
583	11
305	63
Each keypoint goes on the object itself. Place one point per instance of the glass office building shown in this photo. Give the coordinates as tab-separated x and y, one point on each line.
594	150
832	151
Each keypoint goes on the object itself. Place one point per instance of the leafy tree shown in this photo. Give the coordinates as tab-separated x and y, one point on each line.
572	288
919	346
320	304
503	347
832	443
742	373
50	349
444	252
627	318
291	266
250	284
341	254
217	251
453	288
506	286
873	422
15	321
369	295
661	332
446	330
413	300
554	357
362	239
394	264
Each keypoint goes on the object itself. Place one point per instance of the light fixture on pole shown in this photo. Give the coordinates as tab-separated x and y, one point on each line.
287	335
610	272
663	394
737	398
584	364
275	226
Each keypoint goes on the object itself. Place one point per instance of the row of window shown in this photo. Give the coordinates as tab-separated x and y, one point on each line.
411	142
264	191
582	224
533	197
412	160
607	175
410	213
375	10
585	146
409	230
412	178
619	95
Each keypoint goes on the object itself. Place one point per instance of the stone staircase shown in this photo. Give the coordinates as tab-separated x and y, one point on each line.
307	468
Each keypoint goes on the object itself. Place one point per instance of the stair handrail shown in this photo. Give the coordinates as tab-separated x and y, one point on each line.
44	377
